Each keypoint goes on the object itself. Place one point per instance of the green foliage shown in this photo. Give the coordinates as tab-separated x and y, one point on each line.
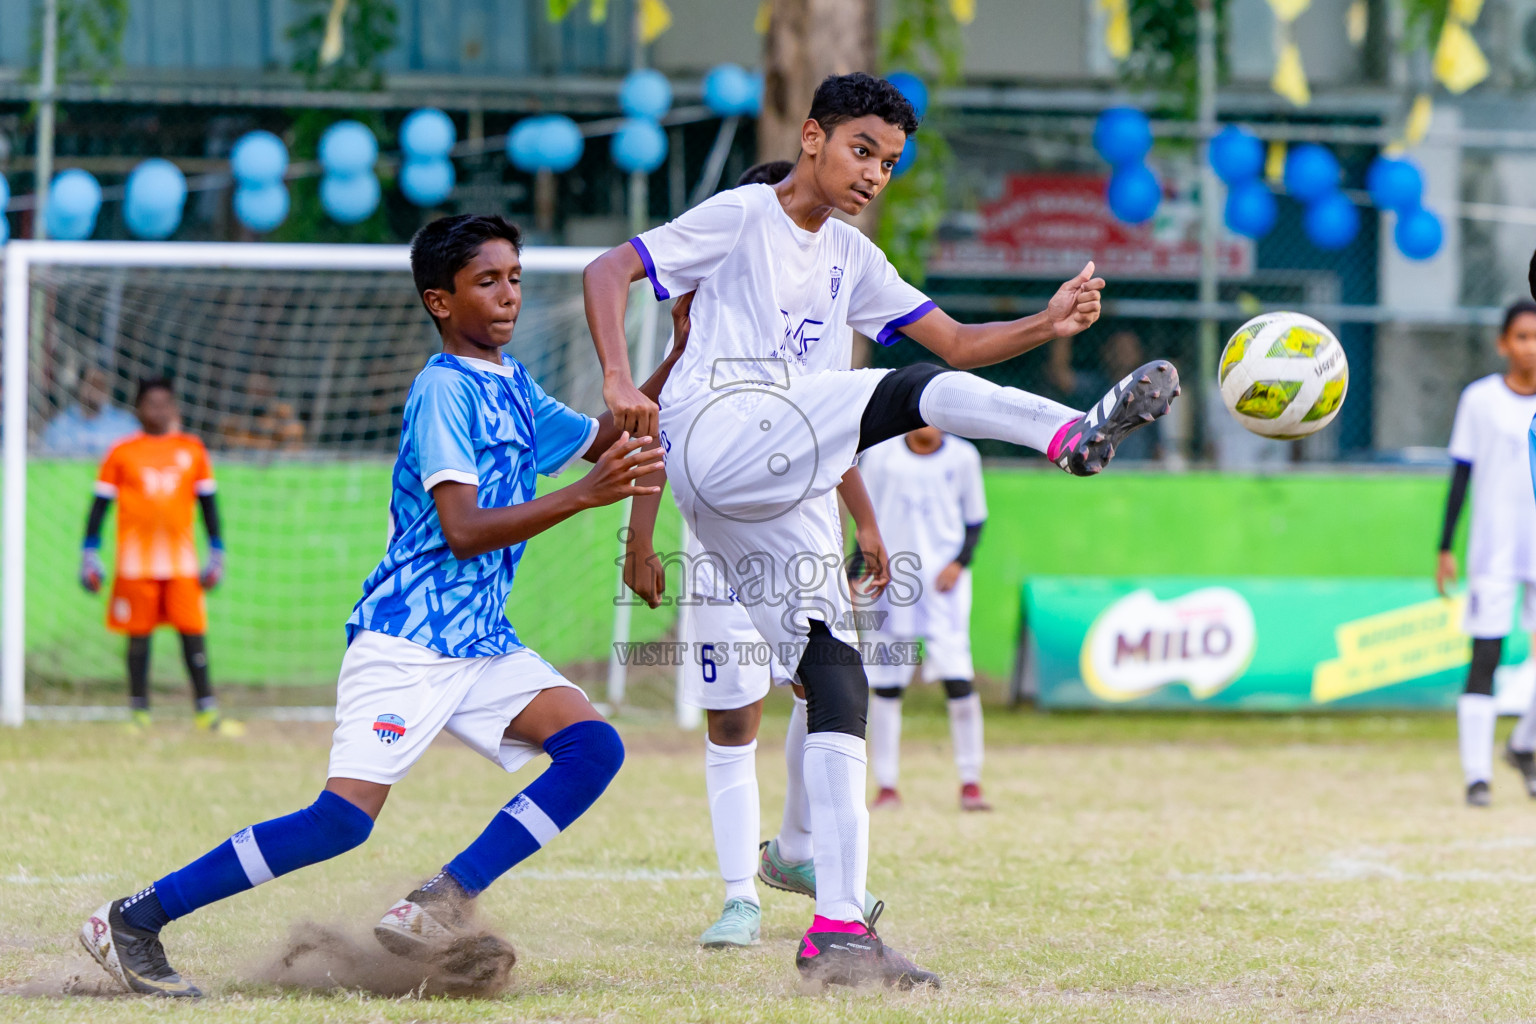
1422	20
369	31
1164	48
923	38
90	37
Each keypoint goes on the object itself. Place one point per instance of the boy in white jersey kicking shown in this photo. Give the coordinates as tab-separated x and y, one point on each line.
727	677
429	646
927	491
1488	448
763	418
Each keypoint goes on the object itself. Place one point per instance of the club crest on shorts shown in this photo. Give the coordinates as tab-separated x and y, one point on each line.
388	728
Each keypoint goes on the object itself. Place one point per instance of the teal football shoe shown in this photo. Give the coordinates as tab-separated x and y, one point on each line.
740	924
797	876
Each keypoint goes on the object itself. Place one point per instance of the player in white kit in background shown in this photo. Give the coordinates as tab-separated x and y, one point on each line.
927	491
1489	448
763	418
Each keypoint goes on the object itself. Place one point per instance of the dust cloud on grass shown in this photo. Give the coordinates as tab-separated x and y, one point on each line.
327	958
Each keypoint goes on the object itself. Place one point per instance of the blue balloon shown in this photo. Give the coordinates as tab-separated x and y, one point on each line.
1122	135
913	88
1251	209
645	93
257	158
560	143
349	198
730	91
5	228
1418	233
1236	155
348	149
639	145
427	182
1332	221
1311	173
155	195
908	158
1394	184
73	201
262	207
1134	194
427	134
5	193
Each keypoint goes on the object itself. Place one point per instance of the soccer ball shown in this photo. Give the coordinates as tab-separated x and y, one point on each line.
1283	375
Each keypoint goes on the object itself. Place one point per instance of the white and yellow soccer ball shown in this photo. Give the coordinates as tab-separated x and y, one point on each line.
1283	375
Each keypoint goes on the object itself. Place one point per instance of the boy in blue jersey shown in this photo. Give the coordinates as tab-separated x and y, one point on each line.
429	646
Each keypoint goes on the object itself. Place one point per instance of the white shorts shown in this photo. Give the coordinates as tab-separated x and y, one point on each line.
1491	606
393	697
753	470
941	621
726	660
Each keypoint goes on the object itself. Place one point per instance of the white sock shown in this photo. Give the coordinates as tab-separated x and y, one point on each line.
965	733
885	739
795	832
730	779
970	406
1475	718
1523	739
834	778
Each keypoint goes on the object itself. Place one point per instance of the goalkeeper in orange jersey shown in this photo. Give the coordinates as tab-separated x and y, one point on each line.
156	476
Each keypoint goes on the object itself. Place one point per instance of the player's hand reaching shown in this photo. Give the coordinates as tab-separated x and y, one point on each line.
948	577
874	573
613	476
213	572
1445	572
91	570
632	411
1076	305
644	573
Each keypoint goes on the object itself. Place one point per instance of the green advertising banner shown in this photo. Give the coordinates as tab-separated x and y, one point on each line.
1242	644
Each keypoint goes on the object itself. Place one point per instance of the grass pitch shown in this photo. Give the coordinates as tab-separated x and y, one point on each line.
1136	869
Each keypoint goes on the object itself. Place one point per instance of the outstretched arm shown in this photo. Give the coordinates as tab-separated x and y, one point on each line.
1074	308
608	429
605	285
471	531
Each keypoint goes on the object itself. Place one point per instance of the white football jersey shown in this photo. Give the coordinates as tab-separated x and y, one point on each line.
772	299
923	503
1490	431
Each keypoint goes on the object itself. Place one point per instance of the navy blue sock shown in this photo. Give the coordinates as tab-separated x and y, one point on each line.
585	757
328	827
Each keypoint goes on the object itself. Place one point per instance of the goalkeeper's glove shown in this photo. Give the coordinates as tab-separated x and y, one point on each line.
213	572
91	570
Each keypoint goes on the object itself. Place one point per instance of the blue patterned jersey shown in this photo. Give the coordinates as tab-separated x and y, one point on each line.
466	421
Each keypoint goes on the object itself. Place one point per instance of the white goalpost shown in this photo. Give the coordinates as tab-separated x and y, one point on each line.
291	362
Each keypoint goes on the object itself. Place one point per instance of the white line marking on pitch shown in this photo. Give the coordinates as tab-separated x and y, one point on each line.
1371	864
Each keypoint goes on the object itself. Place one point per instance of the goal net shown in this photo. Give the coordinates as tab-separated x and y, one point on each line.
292	364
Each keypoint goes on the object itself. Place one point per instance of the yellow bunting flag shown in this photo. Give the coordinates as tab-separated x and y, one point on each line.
963	10
764	18
1117	27
1466	11
655	18
598	13
332	43
1274	163
1419	117
1356	21
1459	63
1290	79
1288	11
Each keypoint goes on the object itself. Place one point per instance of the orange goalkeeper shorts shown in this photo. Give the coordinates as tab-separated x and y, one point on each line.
138	606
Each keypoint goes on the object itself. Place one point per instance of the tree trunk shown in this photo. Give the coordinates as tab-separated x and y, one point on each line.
807	41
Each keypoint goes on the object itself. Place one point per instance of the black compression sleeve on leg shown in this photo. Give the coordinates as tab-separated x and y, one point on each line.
888	692
954	689
138	672
836	688
194	651
1460	474
892	409
1486	652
